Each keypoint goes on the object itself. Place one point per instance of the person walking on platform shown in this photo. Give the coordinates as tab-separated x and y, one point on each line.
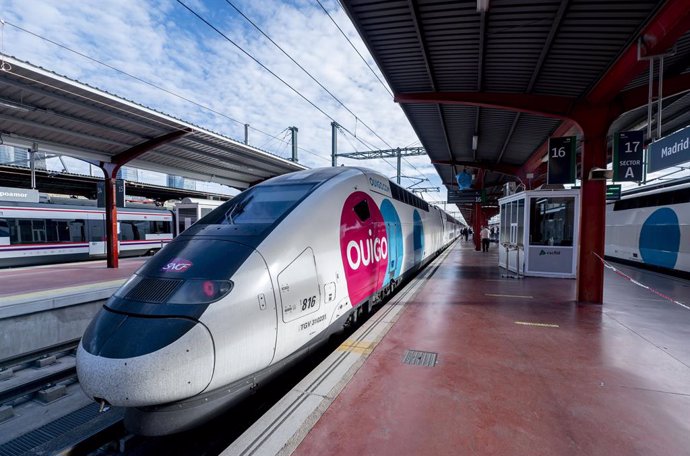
484	234
466	233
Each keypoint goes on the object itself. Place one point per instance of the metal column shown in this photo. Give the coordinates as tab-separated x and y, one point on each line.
110	171
246	133
590	276
32	164
477	221
334	144
294	131
399	158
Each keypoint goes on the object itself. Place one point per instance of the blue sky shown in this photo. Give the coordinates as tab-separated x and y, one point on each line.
161	42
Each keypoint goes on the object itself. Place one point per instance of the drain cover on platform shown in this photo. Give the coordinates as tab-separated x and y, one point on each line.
420	358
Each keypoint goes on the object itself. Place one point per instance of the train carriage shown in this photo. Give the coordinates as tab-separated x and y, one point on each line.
42	233
649	227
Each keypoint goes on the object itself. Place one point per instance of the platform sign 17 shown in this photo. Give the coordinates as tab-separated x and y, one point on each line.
627	156
561	160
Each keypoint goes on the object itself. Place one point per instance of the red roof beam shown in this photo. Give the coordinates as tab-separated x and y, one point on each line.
669	23
541	105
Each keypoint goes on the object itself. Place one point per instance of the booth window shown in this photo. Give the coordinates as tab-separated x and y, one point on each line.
552	221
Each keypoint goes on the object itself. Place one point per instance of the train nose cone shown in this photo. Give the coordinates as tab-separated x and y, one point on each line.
133	361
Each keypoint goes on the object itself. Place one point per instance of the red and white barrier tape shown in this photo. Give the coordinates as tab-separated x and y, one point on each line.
646	287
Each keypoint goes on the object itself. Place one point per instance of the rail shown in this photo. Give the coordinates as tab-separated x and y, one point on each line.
34	355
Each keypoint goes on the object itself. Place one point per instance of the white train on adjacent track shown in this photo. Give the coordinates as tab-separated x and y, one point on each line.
74	230
250	288
649	227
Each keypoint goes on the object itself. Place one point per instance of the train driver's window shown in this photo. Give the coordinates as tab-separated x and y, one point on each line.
362	210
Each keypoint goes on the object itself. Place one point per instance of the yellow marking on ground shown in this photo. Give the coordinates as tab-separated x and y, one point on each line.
542	325
65	291
509	296
363	348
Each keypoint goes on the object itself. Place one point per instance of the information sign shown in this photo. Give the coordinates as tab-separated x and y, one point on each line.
627	156
464	197
669	151
561	160
119	193
613	192
22	195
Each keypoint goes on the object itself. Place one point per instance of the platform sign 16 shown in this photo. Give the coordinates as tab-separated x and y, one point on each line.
627	156
561	160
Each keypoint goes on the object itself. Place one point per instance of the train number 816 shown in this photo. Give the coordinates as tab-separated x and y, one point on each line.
308	303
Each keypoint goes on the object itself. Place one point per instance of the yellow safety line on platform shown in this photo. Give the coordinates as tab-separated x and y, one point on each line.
509	296
56	292
543	325
363	348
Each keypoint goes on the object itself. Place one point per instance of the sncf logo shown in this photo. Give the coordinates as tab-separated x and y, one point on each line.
177	265
367	251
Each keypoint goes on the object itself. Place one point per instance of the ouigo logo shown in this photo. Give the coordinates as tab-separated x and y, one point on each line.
177	265
367	251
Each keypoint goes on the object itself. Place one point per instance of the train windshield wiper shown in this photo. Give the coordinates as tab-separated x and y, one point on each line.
236	210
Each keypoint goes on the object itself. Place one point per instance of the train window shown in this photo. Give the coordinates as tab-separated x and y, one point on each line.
258	205
362	210
96	230
127	231
4	229
159	227
25	234
57	230
76	231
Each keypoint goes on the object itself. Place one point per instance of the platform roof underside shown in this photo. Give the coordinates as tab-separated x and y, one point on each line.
547	47
66	117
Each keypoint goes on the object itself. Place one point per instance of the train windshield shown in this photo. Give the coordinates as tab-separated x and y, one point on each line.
262	205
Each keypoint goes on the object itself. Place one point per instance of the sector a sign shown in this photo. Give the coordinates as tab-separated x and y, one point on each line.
627	156
561	160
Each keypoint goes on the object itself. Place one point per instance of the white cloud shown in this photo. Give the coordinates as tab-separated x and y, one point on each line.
163	43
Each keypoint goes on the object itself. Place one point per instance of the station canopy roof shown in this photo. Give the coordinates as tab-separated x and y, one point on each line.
67	117
452	67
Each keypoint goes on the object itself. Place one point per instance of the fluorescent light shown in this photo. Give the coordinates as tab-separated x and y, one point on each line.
482	6
475	138
13	105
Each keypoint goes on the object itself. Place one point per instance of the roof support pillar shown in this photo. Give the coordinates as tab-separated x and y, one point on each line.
111	242
594	122
477	223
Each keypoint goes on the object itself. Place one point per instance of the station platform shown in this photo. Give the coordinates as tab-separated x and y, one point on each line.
44	285
520	368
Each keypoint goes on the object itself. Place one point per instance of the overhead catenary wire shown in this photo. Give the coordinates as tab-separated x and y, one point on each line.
258	62
353	47
357	118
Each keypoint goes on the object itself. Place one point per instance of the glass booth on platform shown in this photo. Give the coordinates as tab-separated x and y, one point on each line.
539	232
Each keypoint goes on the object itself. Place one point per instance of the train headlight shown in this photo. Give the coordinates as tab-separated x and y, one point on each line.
200	291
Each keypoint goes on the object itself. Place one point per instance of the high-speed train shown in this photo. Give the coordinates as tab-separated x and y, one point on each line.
649	226
250	288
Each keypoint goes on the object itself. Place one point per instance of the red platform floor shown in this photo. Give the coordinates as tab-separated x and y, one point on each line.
607	380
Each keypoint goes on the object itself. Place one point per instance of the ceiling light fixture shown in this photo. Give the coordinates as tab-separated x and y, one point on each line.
15	105
482	6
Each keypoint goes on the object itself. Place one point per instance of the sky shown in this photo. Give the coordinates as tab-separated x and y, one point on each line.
166	45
